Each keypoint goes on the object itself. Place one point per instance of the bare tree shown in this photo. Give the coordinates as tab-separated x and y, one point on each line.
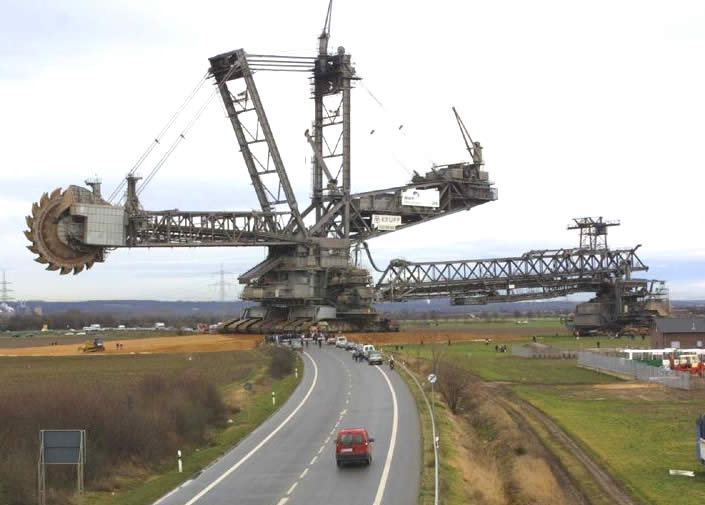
437	352
453	383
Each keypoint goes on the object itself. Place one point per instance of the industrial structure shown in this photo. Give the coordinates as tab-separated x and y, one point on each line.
620	302
311	272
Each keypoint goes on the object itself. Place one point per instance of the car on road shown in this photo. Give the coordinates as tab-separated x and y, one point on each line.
353	445
330	341
341	342
375	358
366	349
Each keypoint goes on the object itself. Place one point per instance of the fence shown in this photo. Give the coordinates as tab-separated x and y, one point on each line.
639	371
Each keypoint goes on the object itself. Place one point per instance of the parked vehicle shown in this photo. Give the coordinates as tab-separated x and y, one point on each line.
375	358
341	342
366	349
330	341
353	445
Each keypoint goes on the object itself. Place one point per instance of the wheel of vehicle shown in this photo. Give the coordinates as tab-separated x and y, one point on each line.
368	460
339	463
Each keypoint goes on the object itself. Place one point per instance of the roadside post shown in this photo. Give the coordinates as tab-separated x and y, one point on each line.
181	467
436	439
248	388
274	398
296	373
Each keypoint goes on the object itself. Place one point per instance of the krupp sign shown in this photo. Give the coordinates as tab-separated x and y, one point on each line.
386	223
420	197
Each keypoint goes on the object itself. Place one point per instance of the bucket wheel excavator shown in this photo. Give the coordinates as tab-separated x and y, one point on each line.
308	275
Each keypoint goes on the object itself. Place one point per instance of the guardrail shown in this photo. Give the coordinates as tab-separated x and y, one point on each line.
433	430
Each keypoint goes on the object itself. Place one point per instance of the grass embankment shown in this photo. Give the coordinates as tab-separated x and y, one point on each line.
138	410
452	488
636	431
487	457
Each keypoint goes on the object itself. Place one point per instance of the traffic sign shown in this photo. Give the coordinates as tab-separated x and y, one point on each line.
432	378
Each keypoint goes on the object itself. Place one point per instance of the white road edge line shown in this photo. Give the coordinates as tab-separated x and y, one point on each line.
303	474
291	489
283	501
264	441
321	449
392	442
313	460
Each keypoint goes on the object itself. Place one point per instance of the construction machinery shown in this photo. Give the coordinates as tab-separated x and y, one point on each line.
311	272
95	345
621	301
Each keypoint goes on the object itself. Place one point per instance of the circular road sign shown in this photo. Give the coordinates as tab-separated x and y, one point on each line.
432	378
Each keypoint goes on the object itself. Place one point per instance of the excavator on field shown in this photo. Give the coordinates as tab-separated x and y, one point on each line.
96	345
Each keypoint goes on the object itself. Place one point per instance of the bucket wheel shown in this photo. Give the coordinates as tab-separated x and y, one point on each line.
49	233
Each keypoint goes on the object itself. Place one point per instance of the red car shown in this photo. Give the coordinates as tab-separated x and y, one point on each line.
353	445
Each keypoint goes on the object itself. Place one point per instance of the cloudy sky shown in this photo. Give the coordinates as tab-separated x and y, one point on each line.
584	109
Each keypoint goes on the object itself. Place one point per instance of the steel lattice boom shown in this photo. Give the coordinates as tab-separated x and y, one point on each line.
536	274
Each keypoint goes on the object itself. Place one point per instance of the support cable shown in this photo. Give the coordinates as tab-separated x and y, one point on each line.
182	135
173	146
157	139
397	126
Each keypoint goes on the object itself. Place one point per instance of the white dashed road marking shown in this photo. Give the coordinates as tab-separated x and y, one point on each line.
264	441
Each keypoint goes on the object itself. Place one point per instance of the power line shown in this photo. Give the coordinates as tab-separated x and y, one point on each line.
4	290
222	283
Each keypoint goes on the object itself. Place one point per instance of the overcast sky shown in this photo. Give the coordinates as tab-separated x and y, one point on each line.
584	109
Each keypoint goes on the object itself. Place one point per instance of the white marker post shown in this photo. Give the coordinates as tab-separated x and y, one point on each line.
274	398
296	373
181	467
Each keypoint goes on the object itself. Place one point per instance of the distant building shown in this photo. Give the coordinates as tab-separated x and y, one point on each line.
678	332
6	310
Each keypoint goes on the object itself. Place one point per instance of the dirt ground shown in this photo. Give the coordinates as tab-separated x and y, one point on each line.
188	343
212	342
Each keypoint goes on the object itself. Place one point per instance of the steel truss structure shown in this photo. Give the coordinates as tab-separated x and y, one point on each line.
534	275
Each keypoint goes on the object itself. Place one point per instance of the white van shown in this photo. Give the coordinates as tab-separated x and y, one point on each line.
341	342
367	349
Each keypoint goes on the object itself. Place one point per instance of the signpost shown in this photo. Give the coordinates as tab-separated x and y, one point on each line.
60	447
432	380
436	439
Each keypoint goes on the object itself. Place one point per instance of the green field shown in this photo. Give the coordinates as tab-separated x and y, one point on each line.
637	431
222	367
639	434
484	361
483	323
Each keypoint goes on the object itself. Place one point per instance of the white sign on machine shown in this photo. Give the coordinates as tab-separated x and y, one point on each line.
386	223
421	197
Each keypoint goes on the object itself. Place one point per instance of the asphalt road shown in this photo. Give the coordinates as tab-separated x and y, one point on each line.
290	458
